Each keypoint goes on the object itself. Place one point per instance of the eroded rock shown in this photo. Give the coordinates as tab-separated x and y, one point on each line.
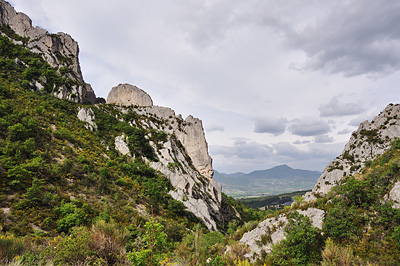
59	50
87	115
369	141
128	95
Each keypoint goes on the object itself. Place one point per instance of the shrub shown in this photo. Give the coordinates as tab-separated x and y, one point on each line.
107	242
302	245
334	255
72	249
10	247
153	245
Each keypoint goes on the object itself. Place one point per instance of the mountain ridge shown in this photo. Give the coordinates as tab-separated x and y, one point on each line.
276	180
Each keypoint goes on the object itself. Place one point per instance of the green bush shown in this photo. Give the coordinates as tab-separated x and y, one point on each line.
10	247
302	245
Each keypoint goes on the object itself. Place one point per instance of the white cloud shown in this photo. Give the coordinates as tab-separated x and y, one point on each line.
275	126
308	126
212	128
335	108
323	139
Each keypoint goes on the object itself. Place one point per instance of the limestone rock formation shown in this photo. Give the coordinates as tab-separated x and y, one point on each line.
127	95
59	50
87	115
182	157
121	146
369	141
394	195
274	229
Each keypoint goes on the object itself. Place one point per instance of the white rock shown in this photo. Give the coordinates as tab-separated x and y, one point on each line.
52	47
275	227
360	148
87	115
127	95
394	195
120	145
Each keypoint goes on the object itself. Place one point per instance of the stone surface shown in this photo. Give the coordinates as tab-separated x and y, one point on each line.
87	115
394	195
127	95
120	145
275	227
369	141
184	159
59	50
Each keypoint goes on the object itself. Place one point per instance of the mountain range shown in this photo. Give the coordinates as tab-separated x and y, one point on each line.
277	180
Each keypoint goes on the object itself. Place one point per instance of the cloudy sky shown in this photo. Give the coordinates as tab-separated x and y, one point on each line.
275	82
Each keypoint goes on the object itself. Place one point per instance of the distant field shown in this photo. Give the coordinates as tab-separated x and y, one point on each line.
275	181
258	202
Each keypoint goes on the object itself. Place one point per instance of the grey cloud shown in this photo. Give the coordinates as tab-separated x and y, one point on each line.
357	121
212	128
257	156
297	142
345	131
243	149
335	108
275	126
309	127
323	139
352	38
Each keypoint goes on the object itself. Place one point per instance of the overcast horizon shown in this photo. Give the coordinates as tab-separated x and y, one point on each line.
273	84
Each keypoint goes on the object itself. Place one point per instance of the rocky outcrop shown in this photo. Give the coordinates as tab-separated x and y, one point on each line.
59	50
87	115
272	231
182	154
127	95
394	195
120	145
368	142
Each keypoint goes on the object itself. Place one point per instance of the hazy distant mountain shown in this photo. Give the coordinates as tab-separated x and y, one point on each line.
277	180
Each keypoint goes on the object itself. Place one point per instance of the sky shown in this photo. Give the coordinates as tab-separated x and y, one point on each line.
274	82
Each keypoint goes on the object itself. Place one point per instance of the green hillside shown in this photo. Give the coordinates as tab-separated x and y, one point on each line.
67	196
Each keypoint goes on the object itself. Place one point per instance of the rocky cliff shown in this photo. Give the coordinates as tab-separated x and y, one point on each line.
178	148
369	141
182	156
59	50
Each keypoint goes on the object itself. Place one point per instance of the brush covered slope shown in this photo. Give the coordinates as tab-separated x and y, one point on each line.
122	183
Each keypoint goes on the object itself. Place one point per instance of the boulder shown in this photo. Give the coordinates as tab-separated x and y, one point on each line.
128	95
87	115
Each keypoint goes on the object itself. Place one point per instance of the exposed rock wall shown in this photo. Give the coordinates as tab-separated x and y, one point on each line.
127	95
394	195
182	156
368	142
87	115
274	229
59	50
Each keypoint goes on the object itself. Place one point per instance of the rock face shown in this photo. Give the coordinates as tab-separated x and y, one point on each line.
59	50
127	95
394	195
182	156
369	141
87	115
120	145
273	229
179	145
